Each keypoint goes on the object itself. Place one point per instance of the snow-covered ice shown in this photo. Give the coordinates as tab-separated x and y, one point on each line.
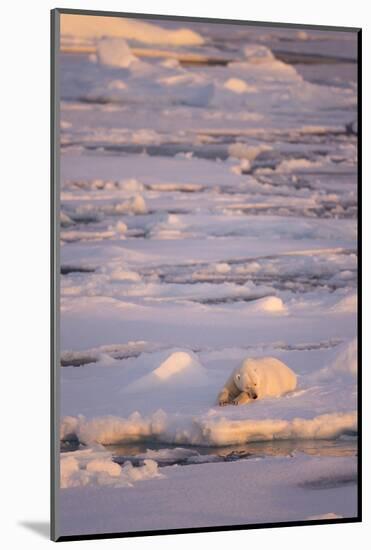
208	214
247	491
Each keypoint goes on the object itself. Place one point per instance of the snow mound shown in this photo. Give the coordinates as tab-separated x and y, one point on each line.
138	205
346	359
92	27
344	362
270	304
78	470
131	185
239	86
180	368
346	305
120	274
121	228
177	362
222	267
115	52
258	54
261	61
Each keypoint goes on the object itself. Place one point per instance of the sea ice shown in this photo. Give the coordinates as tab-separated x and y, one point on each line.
88	26
208	214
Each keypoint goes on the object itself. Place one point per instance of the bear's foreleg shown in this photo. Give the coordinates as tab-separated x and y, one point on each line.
224	397
228	393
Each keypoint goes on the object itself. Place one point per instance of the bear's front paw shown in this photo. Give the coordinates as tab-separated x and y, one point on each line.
241	399
222	402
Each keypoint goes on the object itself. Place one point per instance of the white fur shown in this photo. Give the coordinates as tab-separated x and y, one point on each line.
257	378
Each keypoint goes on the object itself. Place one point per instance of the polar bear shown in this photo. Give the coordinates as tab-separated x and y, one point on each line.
257	378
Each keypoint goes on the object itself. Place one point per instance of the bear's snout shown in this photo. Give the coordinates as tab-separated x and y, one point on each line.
252	393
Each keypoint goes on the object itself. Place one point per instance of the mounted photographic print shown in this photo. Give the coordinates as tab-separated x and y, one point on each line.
205	189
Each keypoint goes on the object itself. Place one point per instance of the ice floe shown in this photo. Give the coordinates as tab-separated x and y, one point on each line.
89	467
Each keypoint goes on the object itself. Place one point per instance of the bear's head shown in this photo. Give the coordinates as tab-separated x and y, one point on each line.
246	378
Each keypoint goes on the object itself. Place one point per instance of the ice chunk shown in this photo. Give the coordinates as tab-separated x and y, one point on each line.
121	228
115	52
82	468
124	275
271	304
239	86
147	471
131	185
222	268
138	205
